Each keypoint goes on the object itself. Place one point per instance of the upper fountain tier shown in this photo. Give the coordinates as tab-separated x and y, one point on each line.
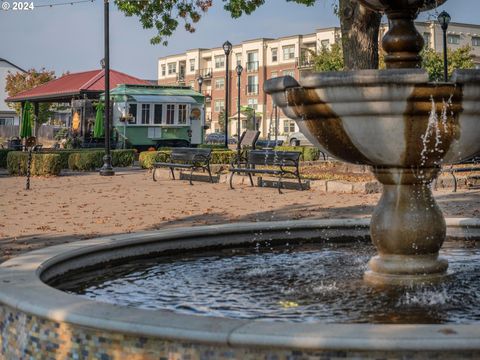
402	43
385	117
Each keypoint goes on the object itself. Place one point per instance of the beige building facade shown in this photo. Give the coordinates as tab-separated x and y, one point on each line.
263	59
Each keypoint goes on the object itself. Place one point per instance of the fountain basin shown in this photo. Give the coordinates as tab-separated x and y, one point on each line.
36	316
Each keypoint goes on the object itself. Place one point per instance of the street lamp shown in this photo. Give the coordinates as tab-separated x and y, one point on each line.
239	70
227	48
200	83
444	19
107	169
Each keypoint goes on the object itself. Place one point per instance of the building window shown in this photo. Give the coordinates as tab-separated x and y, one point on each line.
475	41
219	61
253	103
182	114
6	121
145	113
274	54
219	83
453	39
252	84
219	105
238	57
289	52
157	114
164	70
252	61
288	126
132	111
426	39
172	68
325	44
274	74
289	73
170	114
192	64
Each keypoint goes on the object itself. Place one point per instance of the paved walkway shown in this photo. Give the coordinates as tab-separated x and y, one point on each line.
85	205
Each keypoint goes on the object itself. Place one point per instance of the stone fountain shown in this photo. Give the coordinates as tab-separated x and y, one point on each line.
404	127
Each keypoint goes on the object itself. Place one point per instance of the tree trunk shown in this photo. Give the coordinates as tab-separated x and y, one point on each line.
360	28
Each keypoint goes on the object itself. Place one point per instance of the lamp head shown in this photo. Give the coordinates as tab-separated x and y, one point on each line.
239	69
227	47
200	80
444	19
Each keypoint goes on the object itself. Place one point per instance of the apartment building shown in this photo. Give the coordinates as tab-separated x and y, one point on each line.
266	58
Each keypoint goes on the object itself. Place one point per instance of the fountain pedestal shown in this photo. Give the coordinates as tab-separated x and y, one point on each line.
407	228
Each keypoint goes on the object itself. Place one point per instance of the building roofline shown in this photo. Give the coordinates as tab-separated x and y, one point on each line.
9	62
328	28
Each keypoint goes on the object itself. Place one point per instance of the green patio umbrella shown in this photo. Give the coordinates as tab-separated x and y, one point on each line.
26	124
98	129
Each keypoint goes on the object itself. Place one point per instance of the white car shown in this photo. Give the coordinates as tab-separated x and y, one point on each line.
298	139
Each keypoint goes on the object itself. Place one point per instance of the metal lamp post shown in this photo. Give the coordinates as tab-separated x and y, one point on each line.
444	19
107	169
200	83
227	48
239	70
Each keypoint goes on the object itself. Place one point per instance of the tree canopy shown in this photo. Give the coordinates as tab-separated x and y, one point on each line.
329	59
461	58
166	15
18	82
359	26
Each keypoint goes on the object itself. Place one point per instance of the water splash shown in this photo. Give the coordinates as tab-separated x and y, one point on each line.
436	127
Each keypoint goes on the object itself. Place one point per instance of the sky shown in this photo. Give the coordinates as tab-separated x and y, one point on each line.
70	37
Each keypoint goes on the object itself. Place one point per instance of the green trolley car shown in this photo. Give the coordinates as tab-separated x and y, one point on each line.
146	116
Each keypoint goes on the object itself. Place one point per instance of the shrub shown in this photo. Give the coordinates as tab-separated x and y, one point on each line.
123	158
147	158
220	156
3	157
309	153
88	160
43	164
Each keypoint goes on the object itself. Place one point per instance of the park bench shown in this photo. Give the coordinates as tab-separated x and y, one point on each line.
474	167
279	163
184	158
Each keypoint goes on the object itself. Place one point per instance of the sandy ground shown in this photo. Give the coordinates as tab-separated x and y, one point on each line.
82	206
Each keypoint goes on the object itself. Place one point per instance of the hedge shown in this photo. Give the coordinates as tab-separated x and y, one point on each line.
309	153
43	164
65	154
3	157
91	160
219	156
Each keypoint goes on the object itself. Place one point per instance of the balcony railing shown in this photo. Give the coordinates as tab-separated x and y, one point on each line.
205	73
304	62
252	66
208	95
252	89
180	78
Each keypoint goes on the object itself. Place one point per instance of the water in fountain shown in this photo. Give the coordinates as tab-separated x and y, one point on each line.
297	283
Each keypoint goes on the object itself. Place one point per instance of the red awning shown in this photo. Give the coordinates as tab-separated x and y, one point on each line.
75	84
